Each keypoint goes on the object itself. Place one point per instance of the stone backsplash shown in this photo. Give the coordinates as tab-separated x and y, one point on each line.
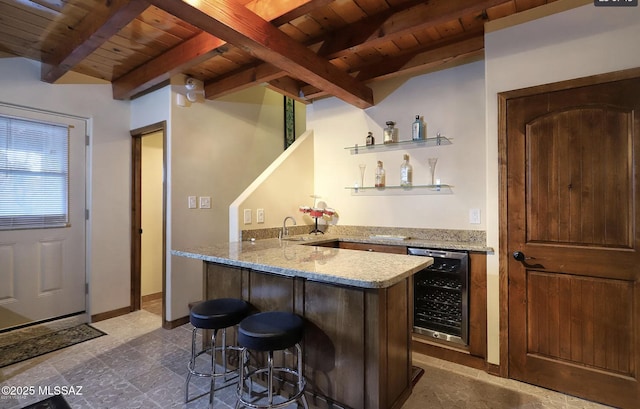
472	236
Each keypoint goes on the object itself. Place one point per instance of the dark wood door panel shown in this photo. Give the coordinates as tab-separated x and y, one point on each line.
581	320
579	189
587	383
573	214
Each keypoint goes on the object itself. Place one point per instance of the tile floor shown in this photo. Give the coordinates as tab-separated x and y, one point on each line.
140	365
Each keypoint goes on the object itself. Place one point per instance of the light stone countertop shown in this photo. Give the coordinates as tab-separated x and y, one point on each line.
414	242
323	264
444	239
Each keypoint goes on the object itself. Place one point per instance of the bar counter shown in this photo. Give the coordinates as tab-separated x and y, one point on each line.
356	304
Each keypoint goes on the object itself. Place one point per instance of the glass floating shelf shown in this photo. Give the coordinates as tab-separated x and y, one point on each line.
401	190
429	142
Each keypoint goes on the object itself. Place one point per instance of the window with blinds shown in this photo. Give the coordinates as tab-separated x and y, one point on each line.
34	174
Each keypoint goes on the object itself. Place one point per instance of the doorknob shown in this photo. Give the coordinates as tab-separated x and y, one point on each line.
519	256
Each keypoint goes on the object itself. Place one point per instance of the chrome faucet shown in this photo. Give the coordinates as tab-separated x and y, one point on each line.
285	230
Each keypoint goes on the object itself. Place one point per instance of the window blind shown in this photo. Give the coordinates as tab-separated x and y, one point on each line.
34	174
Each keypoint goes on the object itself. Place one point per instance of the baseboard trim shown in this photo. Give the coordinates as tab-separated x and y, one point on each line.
110	314
493	369
152	297
175	323
436	350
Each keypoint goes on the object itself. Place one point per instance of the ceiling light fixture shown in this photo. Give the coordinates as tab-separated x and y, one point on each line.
194	88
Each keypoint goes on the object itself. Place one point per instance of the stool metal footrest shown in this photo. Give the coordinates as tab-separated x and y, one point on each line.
213	349
270	370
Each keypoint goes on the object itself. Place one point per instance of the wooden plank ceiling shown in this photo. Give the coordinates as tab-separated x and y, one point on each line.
305	49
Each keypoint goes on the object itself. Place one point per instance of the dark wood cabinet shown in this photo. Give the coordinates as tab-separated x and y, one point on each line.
473	355
357	344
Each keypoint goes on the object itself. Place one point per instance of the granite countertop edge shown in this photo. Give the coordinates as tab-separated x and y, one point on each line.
267	255
411	242
266	258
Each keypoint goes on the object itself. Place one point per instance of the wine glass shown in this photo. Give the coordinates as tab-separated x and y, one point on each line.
432	167
363	167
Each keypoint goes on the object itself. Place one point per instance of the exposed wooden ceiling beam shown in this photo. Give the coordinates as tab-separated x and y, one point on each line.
377	29
472	46
91	34
201	48
461	50
246	78
243	28
428	14
288	86
361	31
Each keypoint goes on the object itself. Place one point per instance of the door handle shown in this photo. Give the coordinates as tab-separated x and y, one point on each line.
519	256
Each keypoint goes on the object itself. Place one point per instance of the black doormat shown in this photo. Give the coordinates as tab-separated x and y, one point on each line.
43	344
54	402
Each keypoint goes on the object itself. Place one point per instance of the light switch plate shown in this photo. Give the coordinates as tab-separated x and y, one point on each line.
205	202
192	202
260	215
247	216
474	216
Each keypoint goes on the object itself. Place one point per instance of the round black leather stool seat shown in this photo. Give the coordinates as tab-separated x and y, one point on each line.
270	331
219	313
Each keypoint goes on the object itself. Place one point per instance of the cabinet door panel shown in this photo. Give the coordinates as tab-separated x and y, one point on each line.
335	330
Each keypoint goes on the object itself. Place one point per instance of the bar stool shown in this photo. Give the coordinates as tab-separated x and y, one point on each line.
269	332
215	315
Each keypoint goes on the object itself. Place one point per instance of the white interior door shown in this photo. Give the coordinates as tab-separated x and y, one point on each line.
43	270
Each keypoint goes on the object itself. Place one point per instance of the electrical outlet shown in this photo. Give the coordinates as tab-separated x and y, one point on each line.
247	216
474	216
192	202
205	202
260	215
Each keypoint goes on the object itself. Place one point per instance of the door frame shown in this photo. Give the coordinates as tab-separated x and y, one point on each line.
136	214
503	240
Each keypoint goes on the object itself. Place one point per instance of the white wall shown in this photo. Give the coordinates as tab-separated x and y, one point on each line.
279	191
110	156
452	103
217	149
576	43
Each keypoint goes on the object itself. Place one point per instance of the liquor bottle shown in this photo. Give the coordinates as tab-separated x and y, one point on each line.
390	133
370	139
417	129
380	179
406	171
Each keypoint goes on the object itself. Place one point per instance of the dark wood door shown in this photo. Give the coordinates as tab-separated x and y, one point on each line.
573	223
